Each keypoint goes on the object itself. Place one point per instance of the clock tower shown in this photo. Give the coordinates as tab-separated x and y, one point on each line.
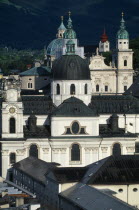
12	114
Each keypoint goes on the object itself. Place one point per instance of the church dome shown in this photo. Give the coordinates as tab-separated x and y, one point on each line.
54	46
122	33
70	67
69	33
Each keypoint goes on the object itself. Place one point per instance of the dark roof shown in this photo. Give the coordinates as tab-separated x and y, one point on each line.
37	71
69	174
114	104
39	105
133	89
74	107
40	132
123	169
106	131
88	198
35	168
70	67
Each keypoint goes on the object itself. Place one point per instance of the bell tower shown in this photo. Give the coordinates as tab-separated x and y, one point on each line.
123	59
104	44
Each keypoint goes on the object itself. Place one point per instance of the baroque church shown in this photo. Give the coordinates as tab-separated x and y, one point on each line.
71	112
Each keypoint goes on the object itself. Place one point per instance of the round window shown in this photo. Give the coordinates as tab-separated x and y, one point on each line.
120	190
75	128
135	189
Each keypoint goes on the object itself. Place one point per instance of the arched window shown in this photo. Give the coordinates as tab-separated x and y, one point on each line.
125	62
75	152
58	89
72	89
116	149
85	89
29	85
12	125
33	151
12	158
97	88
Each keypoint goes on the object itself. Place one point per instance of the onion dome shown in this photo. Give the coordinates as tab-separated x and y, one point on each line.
122	33
70	66
69	33
62	27
104	37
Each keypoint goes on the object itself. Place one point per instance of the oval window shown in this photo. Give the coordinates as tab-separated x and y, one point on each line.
135	189
75	127
120	190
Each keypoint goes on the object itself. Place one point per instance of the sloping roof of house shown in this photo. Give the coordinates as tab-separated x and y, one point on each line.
123	169
88	198
133	89
120	104
35	167
37	71
39	105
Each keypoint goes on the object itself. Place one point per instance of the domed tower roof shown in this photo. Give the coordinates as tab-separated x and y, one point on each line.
104	37
122	33
62	27
54	46
69	33
70	66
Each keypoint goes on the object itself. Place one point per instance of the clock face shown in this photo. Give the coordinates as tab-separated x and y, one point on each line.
12	110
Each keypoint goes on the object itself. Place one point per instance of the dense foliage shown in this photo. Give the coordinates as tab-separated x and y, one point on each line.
12	59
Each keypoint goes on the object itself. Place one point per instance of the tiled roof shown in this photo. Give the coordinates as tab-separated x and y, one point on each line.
88	198
123	169
73	107
110	104
133	89
37	71
39	105
34	167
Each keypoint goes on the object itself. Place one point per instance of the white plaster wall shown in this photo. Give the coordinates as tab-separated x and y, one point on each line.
125	78
128	195
104	46
59	124
125	55
123	44
6	115
103	78
65	90
25	80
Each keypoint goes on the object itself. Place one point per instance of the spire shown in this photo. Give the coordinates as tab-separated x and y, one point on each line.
69	21
104	36
122	26
70	47
62	27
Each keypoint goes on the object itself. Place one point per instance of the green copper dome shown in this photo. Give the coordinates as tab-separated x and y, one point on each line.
122	33
70	45
69	33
